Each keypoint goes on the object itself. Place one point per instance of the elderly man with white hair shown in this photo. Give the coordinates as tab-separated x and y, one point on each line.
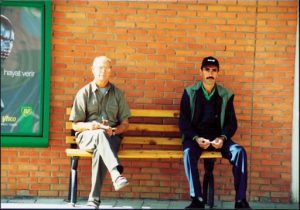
100	115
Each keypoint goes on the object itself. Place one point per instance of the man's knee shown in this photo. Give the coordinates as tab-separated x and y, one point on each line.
99	133
240	149
238	152
190	154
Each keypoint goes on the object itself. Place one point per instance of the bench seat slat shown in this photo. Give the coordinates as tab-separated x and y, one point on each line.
70	140
209	154
78	153
131	153
143	154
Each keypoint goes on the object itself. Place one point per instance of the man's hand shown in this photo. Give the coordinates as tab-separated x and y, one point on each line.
96	125
218	142
93	125
203	143
109	131
83	126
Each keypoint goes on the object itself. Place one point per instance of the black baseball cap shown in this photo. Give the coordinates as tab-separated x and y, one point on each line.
210	61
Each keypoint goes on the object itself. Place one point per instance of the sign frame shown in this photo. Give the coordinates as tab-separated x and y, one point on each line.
41	140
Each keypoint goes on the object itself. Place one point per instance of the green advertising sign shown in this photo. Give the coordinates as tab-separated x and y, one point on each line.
25	72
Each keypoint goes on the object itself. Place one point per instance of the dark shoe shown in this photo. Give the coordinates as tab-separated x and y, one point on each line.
196	204
93	204
243	204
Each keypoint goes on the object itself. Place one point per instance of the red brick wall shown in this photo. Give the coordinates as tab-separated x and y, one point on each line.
156	50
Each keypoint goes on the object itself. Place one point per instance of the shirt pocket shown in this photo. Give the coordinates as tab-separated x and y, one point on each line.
112	111
92	107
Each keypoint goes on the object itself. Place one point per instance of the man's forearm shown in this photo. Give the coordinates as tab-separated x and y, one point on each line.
83	126
123	127
80	126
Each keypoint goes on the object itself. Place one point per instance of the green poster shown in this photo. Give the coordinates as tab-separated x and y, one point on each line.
21	76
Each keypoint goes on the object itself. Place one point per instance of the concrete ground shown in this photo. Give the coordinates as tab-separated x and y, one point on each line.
59	203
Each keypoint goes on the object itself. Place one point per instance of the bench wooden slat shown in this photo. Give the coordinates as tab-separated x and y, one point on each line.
153	127
154	113
70	140
144	154
131	153
147	113
140	140
209	154
143	127
68	125
151	140
78	153
150	154
68	112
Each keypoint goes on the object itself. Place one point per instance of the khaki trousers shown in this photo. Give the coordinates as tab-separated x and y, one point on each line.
105	157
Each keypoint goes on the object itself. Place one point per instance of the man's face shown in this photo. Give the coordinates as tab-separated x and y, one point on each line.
102	71
7	37
209	74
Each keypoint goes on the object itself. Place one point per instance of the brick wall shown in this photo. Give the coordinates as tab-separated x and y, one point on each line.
157	48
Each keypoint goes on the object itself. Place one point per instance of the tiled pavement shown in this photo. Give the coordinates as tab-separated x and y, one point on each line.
59	203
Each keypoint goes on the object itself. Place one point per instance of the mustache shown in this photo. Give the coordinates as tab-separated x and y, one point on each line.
210	78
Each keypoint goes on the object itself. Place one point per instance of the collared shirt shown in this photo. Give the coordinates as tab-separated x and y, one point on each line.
91	104
206	94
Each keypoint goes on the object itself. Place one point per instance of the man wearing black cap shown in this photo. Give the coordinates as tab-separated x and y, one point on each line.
207	122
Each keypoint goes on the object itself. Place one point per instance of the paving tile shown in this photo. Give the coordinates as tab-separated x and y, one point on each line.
260	205
253	205
129	203
4	200
50	201
178	204
287	206
32	206
108	203
156	204
22	200
15	205
227	205
217	205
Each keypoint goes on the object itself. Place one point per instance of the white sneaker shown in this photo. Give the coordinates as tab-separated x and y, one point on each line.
120	182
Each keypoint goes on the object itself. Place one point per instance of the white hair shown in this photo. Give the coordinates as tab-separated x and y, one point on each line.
102	59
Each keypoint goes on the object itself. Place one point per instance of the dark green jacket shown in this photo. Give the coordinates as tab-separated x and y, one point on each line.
228	120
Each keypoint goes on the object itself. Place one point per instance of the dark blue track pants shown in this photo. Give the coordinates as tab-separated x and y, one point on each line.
231	151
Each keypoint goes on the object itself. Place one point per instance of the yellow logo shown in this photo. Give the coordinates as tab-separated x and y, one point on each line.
26	111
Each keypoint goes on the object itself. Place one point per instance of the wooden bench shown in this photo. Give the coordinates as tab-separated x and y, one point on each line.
162	123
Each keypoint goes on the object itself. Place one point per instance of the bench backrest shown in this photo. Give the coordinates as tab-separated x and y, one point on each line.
151	121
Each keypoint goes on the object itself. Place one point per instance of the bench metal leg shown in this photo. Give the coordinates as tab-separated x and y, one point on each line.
72	195
208	182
